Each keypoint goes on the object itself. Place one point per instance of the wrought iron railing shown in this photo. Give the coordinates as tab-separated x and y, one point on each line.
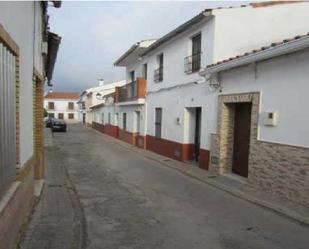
128	92
192	63
158	74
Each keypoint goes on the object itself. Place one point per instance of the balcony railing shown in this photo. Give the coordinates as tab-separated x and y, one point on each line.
131	91
158	74
128	92
192	63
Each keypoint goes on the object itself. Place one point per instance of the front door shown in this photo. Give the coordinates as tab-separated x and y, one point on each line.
242	124
137	121
197	134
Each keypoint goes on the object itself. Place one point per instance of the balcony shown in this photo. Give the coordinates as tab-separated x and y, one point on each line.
131	91
192	63
158	74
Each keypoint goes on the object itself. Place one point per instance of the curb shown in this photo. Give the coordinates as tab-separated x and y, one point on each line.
241	194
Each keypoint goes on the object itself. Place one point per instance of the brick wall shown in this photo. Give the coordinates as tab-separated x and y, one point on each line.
38	127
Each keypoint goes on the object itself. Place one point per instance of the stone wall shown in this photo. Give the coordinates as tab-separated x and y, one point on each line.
278	168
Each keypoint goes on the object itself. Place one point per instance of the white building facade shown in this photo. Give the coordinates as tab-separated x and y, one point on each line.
62	105
228	120
262	121
183	132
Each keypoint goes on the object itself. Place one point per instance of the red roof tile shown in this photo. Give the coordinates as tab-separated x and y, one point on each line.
62	95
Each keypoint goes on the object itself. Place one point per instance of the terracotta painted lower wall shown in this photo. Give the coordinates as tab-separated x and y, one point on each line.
126	136
16	210
177	151
171	149
111	130
140	141
204	159
98	126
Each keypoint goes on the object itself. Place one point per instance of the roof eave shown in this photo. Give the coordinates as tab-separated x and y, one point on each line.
285	48
180	29
119	61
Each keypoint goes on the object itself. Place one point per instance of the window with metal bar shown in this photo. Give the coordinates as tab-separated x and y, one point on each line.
158	73
124	121
7	117
192	63
158	122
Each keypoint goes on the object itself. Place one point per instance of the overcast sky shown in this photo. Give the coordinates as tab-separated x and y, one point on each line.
95	34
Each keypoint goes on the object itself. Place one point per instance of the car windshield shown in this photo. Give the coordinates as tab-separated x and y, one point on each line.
56	122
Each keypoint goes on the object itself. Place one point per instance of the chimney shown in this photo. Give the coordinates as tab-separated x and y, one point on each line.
101	82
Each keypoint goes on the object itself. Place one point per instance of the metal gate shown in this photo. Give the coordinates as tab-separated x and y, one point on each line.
7	118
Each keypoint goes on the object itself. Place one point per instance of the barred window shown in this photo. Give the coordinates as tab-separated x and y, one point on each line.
7	117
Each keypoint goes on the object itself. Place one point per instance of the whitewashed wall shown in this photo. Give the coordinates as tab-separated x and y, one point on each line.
131	118
61	106
283	83
21	29
240	30
174	104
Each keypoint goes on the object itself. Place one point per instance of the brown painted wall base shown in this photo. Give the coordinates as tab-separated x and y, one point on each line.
140	141
126	136
204	159
98	126
15	212
177	151
111	130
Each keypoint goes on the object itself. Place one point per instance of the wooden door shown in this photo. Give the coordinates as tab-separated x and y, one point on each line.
197	134
242	124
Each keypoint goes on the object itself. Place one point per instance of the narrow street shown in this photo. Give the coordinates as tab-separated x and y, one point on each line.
100	194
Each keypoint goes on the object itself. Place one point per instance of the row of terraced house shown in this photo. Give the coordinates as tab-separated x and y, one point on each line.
227	90
28	53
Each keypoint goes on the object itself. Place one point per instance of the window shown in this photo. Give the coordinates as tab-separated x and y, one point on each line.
71	115
132	76
51	115
124	121
145	71
193	62
60	115
158	73
51	105
7	115
71	105
158	122
109	118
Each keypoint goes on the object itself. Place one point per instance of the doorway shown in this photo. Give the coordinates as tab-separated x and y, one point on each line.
137	121
84	118
242	123
197	133
193	116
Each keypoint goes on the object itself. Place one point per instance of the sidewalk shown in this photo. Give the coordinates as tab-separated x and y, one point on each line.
230	184
56	222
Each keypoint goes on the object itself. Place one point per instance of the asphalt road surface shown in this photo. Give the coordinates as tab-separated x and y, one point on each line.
121	199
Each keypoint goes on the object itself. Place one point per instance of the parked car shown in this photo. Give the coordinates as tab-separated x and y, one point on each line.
48	122
58	125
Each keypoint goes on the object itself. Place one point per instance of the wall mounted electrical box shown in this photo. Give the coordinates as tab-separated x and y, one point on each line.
271	119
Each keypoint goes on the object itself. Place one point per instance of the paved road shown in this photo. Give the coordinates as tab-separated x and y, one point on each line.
130	201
